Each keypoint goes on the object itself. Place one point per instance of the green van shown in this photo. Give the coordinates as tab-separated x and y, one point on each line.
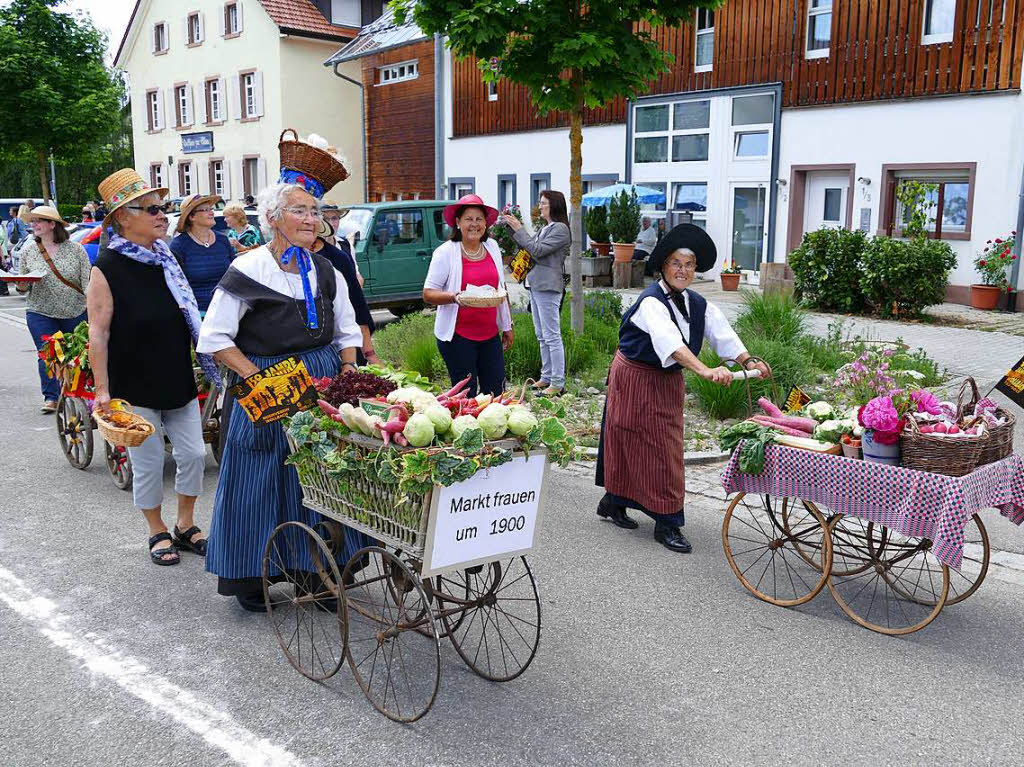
393	243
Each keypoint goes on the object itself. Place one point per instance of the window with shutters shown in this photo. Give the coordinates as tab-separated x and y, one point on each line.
186	179
195	32
214	102
248	86
156	175
705	52
250	175
217	185
232	22
152	111
160	37
181	106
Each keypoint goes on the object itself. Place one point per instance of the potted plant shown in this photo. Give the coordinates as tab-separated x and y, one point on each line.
730	275
624	224
502	234
596	221
594	264
992	265
851	446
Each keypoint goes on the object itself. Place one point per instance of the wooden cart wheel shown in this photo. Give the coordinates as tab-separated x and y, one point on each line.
778	548
301	588
119	464
392	645
74	430
492	615
850	551
875	596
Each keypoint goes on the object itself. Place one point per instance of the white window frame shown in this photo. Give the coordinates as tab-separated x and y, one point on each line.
156	174
217	174
812	12
670	199
687	131
492	91
249	95
188	181
735	130
700	31
398	73
153	110
160	25
666	134
195	32
228	30
215	99
940	37
181	104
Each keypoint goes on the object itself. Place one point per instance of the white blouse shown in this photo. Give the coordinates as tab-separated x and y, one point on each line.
445	273
669	331
220	326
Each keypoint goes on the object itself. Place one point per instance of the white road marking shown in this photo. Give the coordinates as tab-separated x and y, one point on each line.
17	322
215	727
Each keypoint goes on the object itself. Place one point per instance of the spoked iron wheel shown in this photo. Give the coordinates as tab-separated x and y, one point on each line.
119	464
74	431
876	597
850	551
301	588
392	647
778	548
492	615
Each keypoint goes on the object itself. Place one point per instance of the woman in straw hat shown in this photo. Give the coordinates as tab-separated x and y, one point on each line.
143	322
640	456
203	253
56	302
277	301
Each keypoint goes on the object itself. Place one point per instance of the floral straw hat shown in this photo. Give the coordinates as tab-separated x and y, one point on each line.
123	186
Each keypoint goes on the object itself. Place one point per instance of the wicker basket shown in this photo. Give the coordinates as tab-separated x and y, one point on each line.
483	302
133	435
306	158
952	456
1000	438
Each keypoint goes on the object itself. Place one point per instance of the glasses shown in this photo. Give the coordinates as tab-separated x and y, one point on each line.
305	212
152	210
203	210
680	266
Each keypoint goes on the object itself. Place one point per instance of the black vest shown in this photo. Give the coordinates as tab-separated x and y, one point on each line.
275	323
636	345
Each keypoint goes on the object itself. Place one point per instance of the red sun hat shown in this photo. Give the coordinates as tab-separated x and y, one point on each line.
466	201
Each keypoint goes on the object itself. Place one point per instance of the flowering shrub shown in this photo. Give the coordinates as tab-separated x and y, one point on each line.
995	260
868	376
502	234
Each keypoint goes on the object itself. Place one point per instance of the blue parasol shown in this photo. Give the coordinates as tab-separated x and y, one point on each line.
644	194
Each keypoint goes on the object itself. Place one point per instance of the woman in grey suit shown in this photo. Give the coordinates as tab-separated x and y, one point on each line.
549	249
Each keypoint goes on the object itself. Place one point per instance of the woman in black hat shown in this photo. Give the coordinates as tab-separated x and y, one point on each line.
640	458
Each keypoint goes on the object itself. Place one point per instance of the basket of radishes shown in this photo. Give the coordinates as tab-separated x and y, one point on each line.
943	444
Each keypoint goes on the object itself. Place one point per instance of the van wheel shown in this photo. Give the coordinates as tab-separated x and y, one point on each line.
402	311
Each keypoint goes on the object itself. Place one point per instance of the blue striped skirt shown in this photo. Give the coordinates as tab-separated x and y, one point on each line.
257	492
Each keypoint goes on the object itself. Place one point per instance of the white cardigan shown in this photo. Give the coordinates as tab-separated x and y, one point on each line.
445	273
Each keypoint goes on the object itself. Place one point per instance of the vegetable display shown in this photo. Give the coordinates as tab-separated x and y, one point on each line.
352	385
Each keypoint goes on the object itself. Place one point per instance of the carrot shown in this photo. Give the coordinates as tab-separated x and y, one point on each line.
769	407
327	407
763	420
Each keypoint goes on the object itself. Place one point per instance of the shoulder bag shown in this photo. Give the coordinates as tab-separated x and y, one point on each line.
56	272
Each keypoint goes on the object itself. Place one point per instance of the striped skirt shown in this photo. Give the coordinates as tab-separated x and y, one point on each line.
256	492
640	457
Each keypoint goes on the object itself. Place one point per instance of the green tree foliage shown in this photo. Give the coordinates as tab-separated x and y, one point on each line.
569	55
57	94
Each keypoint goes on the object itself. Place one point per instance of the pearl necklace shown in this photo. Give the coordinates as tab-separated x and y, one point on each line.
474	256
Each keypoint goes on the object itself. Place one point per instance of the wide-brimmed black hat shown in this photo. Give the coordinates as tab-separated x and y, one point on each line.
686	236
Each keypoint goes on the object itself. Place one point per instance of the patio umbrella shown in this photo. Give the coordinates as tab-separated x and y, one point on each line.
603	196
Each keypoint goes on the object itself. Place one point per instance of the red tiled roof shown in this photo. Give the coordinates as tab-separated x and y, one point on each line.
303	17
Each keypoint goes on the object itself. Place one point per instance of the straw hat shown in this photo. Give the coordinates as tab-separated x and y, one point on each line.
48	213
123	186
191	203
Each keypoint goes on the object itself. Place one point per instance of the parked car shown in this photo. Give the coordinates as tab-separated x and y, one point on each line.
393	243
88	236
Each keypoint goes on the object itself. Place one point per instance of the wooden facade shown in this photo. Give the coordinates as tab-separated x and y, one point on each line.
399	125
875	54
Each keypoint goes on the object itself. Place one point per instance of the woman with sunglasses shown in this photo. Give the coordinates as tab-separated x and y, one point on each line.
143	323
204	254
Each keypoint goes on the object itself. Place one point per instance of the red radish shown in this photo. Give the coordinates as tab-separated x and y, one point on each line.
769	407
805	425
763	420
401	440
941	428
954	429
458	387
337	417
327	407
927	429
403	411
392	427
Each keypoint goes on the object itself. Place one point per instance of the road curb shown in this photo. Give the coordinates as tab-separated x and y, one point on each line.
692	459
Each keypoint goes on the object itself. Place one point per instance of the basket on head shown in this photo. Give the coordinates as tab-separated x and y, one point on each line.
1000	438
122	427
939	454
305	158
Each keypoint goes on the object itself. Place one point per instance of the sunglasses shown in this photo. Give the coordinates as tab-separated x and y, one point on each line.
152	210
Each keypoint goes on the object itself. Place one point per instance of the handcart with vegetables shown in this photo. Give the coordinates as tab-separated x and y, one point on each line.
896	536
450	487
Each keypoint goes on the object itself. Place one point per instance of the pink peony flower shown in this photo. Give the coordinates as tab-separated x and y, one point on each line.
880	415
926	402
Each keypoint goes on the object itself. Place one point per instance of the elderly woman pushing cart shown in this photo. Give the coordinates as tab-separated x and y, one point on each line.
640	460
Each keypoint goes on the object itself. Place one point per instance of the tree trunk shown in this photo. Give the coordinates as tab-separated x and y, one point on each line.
41	159
576	215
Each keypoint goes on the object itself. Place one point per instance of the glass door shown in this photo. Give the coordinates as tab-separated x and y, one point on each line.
749	226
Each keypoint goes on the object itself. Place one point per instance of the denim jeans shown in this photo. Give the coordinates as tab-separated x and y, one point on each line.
544	306
40	325
483	360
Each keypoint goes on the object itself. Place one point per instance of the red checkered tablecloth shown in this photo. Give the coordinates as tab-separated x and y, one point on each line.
915	503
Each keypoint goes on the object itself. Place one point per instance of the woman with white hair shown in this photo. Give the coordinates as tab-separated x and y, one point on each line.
277	301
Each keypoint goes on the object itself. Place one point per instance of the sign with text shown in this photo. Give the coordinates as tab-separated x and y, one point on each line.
492	515
276	392
1012	384
795	400
194	143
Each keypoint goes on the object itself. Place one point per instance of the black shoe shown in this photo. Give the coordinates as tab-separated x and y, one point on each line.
252	601
617	514
672	539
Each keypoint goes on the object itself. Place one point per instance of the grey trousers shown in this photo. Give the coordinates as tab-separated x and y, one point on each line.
184	429
546	324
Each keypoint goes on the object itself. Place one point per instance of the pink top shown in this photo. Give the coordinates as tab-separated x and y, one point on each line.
476	323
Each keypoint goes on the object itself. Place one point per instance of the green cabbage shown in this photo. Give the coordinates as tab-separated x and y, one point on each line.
521	421
419	430
462	423
494	420
440	417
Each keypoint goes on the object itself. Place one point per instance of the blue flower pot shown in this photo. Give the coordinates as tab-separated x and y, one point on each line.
878	453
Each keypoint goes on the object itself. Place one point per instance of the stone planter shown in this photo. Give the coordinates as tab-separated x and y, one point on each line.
730	281
851	451
877	453
601	248
985	296
597	266
624	251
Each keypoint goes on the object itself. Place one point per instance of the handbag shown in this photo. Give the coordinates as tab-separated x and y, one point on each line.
57	274
521	265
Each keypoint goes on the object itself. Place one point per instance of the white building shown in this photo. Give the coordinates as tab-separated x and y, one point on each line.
214	83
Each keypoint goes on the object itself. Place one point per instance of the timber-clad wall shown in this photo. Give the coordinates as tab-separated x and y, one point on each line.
876	54
400	125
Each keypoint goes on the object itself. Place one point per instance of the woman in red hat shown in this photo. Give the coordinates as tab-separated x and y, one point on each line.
471	340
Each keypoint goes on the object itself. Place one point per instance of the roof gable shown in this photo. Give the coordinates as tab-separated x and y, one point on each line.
301	17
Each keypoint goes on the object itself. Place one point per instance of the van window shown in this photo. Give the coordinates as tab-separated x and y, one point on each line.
399	227
442	229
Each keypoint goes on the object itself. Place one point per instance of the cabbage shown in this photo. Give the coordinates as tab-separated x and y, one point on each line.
440	417
419	430
462	423
820	411
832	430
422	402
521	421
494	420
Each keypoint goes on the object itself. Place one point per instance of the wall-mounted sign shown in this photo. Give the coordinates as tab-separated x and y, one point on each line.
193	143
865	219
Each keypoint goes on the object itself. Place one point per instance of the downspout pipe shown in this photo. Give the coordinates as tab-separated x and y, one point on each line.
439	127
362	127
1015	269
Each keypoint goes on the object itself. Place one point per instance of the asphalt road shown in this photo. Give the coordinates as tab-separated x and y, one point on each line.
646	657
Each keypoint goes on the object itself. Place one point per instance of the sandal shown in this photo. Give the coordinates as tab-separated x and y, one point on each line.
183	540
551	391
157	555
48	407
540	385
